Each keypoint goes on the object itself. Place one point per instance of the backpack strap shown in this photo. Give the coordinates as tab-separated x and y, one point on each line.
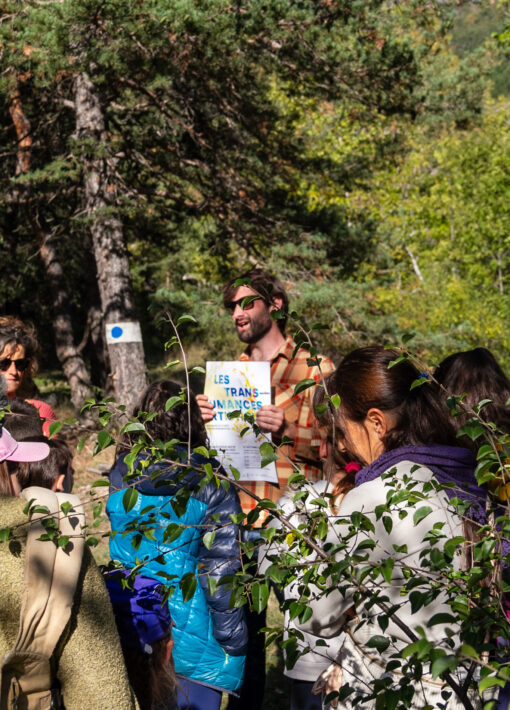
51	577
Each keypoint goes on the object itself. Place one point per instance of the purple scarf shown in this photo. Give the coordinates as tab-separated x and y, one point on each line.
450	464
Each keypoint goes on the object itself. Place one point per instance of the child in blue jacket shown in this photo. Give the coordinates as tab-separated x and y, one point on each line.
169	528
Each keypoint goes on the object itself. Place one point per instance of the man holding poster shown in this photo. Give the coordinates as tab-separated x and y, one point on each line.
289	415
283	415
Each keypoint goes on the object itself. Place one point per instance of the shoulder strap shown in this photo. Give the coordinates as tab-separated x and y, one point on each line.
51	576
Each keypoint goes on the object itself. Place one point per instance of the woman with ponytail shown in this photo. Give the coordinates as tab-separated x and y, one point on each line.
391	418
339	469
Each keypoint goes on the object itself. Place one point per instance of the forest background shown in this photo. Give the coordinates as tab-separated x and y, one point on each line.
151	150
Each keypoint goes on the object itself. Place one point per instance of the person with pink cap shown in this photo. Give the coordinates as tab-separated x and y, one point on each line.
19	451
63	628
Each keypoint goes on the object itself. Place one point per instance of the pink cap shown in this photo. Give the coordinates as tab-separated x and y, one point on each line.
12	450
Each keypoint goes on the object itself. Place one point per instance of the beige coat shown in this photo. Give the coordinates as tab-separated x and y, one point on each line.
91	668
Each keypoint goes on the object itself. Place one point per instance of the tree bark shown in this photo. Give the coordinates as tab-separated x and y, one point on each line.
70	357
127	359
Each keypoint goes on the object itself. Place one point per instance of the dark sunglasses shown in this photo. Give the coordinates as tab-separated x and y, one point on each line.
245	303
21	364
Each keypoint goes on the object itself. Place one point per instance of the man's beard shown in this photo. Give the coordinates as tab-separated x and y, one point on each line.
257	328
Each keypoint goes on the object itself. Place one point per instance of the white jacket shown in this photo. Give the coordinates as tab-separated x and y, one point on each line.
310	665
403	543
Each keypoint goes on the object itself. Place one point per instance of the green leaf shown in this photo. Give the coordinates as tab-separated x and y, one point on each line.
92	541
100	482
451	545
303	385
235	414
398	360
235	473
473	429
104	439
172	532
40	509
469	651
197	370
383	621
259	595
55	427
268	459
335	400
388	523
188	584
136	541
172	363
490	682
386	569
421	513
186	318
5	534
441	618
132	426
66	507
208	539
81	444
381	643
266	449
172	402
212	586
420	648
63	541
129	499
418	382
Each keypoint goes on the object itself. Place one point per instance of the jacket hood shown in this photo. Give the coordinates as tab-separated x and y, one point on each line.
450	464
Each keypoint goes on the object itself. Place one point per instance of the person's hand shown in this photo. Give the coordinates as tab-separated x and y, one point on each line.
206	407
271	418
329	681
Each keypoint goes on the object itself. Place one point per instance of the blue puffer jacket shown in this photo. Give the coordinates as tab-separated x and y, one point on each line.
209	638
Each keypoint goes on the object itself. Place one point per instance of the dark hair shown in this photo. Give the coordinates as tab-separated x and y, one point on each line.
477	374
14	332
174	423
44	473
364	379
152	679
144	624
265	285
337	460
6	487
23	421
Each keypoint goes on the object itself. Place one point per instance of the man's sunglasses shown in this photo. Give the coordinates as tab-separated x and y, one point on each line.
21	364
245	303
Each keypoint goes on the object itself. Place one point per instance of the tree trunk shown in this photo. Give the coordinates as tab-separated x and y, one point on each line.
127	358
69	355
94	344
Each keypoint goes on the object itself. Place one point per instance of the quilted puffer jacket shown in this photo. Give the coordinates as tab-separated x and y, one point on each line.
209	637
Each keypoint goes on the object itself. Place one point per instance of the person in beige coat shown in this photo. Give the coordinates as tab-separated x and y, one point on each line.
87	660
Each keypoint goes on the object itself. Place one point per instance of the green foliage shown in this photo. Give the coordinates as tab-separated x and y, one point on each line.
236	133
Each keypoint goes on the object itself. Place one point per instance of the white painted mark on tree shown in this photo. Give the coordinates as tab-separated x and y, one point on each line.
126	332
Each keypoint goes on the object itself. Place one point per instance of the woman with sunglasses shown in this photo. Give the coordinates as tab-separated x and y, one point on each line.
18	362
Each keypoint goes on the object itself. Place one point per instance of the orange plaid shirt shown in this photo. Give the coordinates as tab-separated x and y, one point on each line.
286	372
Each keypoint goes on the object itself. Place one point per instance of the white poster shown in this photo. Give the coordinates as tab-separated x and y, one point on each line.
245	386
